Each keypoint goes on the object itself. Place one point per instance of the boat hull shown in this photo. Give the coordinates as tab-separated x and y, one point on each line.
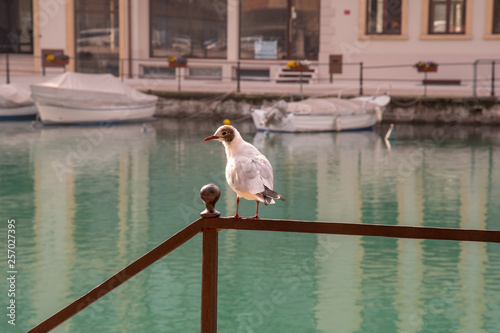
316	122
18	112
67	114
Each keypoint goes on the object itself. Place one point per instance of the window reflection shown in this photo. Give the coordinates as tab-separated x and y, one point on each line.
16	26
383	17
279	29
97	36
192	28
447	17
496	17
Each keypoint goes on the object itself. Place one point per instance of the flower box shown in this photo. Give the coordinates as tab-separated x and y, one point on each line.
57	62
298	65
299	68
175	64
424	67
54	58
427	69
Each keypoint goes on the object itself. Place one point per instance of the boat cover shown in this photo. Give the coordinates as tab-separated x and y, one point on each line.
14	95
334	105
88	89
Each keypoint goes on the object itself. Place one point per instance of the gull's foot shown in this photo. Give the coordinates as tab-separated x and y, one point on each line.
256	217
235	217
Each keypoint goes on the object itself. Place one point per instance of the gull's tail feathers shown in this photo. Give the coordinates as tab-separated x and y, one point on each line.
269	195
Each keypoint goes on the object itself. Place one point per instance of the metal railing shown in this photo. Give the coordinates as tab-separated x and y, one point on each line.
486	72
210	224
483	74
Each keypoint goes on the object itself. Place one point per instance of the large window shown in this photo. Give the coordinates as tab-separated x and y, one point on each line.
496	17
192	28
447	16
279	29
97	36
16	26
383	17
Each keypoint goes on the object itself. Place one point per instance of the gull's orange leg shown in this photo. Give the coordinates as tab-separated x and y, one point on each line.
257	211
236	216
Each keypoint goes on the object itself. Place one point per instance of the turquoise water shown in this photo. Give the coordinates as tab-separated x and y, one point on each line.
88	200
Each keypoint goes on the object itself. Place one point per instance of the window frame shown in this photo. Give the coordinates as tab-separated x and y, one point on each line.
363	20
287	43
150	41
75	31
448	4
424	32
490	21
384	20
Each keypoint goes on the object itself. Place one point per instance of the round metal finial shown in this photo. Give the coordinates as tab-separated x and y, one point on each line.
209	194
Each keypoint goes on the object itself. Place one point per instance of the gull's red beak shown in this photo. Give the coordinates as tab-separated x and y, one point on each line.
213	137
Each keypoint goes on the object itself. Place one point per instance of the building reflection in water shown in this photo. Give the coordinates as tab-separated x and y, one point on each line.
409	283
100	198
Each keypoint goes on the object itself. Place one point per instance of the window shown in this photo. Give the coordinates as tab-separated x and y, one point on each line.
97	36
280	29
383	17
496	17
191	28
447	17
16	26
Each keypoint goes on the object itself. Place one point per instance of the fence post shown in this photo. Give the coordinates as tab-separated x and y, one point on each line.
493	78
474	80
8	67
238	77
121	69
209	273
361	78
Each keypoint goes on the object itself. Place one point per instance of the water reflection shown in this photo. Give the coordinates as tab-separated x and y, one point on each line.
91	199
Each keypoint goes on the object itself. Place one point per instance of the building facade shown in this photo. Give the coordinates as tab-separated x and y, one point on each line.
133	38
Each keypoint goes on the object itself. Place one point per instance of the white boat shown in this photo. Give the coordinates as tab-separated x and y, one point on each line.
87	98
16	102
321	114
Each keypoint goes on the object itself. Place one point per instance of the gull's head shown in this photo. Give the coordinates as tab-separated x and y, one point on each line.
224	134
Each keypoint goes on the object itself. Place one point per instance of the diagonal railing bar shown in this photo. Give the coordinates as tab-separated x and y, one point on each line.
116	280
210	227
355	229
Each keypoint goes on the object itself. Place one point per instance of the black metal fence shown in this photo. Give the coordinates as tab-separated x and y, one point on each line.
482	76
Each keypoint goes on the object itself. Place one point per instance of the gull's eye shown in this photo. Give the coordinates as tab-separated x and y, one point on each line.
224	133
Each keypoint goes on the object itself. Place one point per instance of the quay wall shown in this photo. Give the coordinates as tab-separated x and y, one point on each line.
474	111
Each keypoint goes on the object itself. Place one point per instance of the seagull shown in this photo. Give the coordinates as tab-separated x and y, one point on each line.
248	172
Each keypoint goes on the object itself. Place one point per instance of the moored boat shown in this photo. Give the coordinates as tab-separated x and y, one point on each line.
321	114
16	102
86	98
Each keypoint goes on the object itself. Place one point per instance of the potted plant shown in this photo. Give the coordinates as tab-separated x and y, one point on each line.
426	66
178	61
299	65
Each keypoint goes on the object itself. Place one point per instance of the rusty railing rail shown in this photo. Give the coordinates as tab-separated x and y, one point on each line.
210	224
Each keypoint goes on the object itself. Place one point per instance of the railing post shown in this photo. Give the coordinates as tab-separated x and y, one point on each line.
238	77
474	81
121	69
493	78
209	281
361	78
8	67
209	194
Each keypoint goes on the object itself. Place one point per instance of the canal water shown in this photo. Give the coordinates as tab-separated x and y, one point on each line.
89	200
